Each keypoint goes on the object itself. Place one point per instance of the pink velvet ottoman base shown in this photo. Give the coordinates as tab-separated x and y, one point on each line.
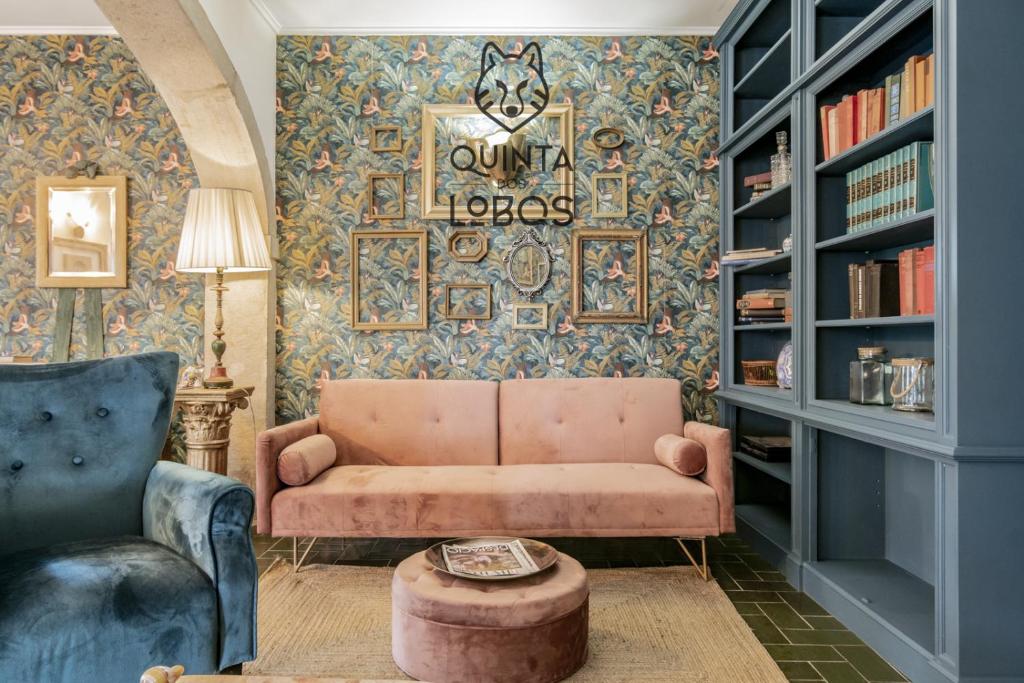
497	636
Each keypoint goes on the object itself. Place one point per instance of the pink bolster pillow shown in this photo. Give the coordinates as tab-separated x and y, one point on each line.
304	460
681	455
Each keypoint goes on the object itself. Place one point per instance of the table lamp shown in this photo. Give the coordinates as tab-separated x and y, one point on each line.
221	235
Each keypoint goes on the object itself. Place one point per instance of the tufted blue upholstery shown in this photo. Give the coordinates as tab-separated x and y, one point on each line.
110	561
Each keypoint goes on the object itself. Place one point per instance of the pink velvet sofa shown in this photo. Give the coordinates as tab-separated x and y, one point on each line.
537	457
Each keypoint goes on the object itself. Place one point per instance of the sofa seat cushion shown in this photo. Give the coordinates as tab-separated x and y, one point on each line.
576	499
63	605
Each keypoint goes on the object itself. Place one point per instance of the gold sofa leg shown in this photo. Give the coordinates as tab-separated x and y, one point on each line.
296	560
702	566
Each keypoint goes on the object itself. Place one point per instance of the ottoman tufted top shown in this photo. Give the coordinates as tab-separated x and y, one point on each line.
421	590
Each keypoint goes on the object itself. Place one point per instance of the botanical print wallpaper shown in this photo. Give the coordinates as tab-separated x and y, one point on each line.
69	98
662	91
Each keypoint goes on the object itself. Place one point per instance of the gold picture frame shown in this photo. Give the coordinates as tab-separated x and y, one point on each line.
372	207
542	324
449	307
355	240
445	119
620	208
375	139
82	232
615	275
469	255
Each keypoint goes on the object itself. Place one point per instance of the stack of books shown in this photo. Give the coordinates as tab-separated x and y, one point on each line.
895	186
917	281
761	306
741	257
858	116
767	448
761	184
874	289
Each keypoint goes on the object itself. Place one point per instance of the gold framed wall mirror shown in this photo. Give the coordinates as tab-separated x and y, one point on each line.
81	231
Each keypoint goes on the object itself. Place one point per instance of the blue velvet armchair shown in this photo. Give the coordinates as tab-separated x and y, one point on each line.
111	562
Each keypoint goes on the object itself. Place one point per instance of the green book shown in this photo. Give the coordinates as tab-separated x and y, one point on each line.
858	196
921	180
876	193
887	188
865	196
849	201
901	183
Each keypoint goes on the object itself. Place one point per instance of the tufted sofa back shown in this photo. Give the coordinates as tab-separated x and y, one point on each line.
77	442
591	420
411	422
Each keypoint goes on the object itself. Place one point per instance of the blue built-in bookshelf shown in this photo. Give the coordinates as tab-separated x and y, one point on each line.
908	527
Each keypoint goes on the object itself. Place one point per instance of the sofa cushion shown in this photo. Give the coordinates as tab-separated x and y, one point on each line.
304	460
411	422
580	499
587	420
681	455
64	605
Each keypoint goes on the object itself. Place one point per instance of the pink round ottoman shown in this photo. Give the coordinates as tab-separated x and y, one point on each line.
450	630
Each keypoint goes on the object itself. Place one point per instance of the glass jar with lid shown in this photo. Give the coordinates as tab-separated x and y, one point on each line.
870	377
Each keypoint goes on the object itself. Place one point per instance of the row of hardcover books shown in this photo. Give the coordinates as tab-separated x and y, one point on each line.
884	288
760	306
868	112
890	188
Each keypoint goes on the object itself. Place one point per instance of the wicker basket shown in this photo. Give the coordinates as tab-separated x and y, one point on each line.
759	373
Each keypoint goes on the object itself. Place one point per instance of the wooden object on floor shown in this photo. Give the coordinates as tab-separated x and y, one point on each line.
206	416
65	319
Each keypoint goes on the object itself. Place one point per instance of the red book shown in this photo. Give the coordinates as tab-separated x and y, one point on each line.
924	281
848	123
842	125
907	282
825	143
861	132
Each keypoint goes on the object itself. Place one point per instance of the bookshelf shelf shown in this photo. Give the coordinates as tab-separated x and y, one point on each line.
778	470
770	75
920	126
878	322
771	521
769	266
762	327
872	413
917	228
773	204
774	393
846	8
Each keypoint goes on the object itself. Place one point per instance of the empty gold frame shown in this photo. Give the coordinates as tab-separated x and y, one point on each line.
81	231
386	139
446	127
609	276
385	196
609	195
518	321
385	266
467	246
475	303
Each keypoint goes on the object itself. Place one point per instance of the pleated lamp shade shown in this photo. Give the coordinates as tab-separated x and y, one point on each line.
221	230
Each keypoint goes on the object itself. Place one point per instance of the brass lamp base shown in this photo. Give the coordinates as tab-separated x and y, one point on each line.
218	377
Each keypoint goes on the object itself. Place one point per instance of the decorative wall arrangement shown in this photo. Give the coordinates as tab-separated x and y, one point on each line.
660	91
69	99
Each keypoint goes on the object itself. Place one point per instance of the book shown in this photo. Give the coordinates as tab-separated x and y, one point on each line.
833	130
767	448
920	82
767	291
825	143
849	201
882	289
921	178
851	274
757	179
908	88
924	281
929	84
906	261
862	117
763	312
487	558
760	302
893	84
747	320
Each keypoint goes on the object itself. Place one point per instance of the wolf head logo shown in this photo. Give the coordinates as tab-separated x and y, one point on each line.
511	90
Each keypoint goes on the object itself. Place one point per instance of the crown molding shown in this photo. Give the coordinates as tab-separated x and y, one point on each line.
57	31
261	8
493	31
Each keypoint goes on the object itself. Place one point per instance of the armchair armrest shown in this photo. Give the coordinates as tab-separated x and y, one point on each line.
206	517
269	445
718	474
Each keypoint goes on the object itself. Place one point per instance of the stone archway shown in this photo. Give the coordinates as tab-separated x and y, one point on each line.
179	50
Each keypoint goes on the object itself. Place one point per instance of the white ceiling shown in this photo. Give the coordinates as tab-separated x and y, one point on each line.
516	17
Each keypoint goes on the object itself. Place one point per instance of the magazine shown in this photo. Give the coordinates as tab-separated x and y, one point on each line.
488	559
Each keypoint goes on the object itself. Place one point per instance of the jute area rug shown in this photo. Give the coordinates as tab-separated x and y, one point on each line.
653	624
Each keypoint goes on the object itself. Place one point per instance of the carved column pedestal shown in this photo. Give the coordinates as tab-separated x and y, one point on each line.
206	416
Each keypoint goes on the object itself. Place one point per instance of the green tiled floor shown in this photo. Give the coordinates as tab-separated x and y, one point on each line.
807	643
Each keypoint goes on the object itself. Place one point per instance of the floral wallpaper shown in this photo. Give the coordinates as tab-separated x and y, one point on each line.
662	91
69	98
